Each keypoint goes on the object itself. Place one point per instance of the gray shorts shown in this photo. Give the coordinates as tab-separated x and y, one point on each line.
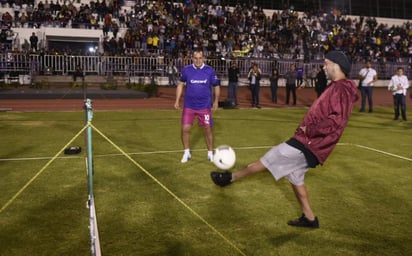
284	160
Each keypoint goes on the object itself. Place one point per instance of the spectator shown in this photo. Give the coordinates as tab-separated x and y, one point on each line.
291	77
313	73
113	46
149	42
47	7
16	10
171	71
23	19
124	19
233	78
299	75
321	81
55	8
120	46
368	76
377	42
155	42
254	76
78	73
7	19
115	29
107	24
34	40
274	78
398	85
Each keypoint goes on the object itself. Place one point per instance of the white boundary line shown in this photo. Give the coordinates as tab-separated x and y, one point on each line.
196	150
376	150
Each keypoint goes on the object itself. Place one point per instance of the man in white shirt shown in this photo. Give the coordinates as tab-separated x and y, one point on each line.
368	76
398	85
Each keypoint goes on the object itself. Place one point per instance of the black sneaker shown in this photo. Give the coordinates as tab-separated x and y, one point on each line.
304	222
221	178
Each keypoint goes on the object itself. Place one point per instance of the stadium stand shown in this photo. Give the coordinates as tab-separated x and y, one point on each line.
129	39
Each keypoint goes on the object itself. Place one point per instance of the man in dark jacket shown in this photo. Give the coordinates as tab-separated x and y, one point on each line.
320	81
291	78
34	40
233	75
313	141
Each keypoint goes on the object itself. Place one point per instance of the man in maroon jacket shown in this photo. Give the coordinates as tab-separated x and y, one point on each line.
313	141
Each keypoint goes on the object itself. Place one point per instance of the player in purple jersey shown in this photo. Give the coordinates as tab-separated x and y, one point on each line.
201	96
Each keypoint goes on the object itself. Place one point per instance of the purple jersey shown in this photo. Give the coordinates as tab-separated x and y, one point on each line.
299	71
199	83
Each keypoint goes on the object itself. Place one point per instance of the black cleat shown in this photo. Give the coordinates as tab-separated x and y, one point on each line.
221	178
304	222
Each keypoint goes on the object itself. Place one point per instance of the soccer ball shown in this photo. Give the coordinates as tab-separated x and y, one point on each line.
224	157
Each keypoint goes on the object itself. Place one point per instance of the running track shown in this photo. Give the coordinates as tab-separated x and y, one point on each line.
166	97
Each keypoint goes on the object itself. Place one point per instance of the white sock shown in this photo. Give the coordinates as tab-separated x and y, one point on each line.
210	155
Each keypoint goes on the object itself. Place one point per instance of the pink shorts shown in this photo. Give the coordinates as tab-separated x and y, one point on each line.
204	117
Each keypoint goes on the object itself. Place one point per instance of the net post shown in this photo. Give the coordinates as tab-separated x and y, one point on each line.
89	152
94	233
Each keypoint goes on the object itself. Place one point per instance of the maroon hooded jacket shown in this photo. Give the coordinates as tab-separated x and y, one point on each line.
327	118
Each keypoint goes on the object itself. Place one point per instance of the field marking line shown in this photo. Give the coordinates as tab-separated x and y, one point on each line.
376	150
168	190
195	150
40	171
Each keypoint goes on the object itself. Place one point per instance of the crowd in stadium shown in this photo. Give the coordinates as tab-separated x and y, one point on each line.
153	27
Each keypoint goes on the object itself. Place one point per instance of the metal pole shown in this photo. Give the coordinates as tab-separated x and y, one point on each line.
89	117
94	233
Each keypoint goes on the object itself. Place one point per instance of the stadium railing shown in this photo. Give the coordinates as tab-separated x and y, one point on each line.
114	66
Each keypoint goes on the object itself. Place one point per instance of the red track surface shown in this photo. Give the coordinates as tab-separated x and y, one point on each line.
166	98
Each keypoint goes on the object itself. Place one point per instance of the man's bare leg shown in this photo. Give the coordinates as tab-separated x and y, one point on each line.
303	199
252	168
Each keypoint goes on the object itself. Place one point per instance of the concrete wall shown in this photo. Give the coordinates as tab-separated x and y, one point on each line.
43	33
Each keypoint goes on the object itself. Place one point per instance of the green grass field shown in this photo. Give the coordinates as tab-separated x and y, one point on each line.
361	195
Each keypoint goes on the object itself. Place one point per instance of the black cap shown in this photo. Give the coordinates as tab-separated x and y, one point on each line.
339	58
